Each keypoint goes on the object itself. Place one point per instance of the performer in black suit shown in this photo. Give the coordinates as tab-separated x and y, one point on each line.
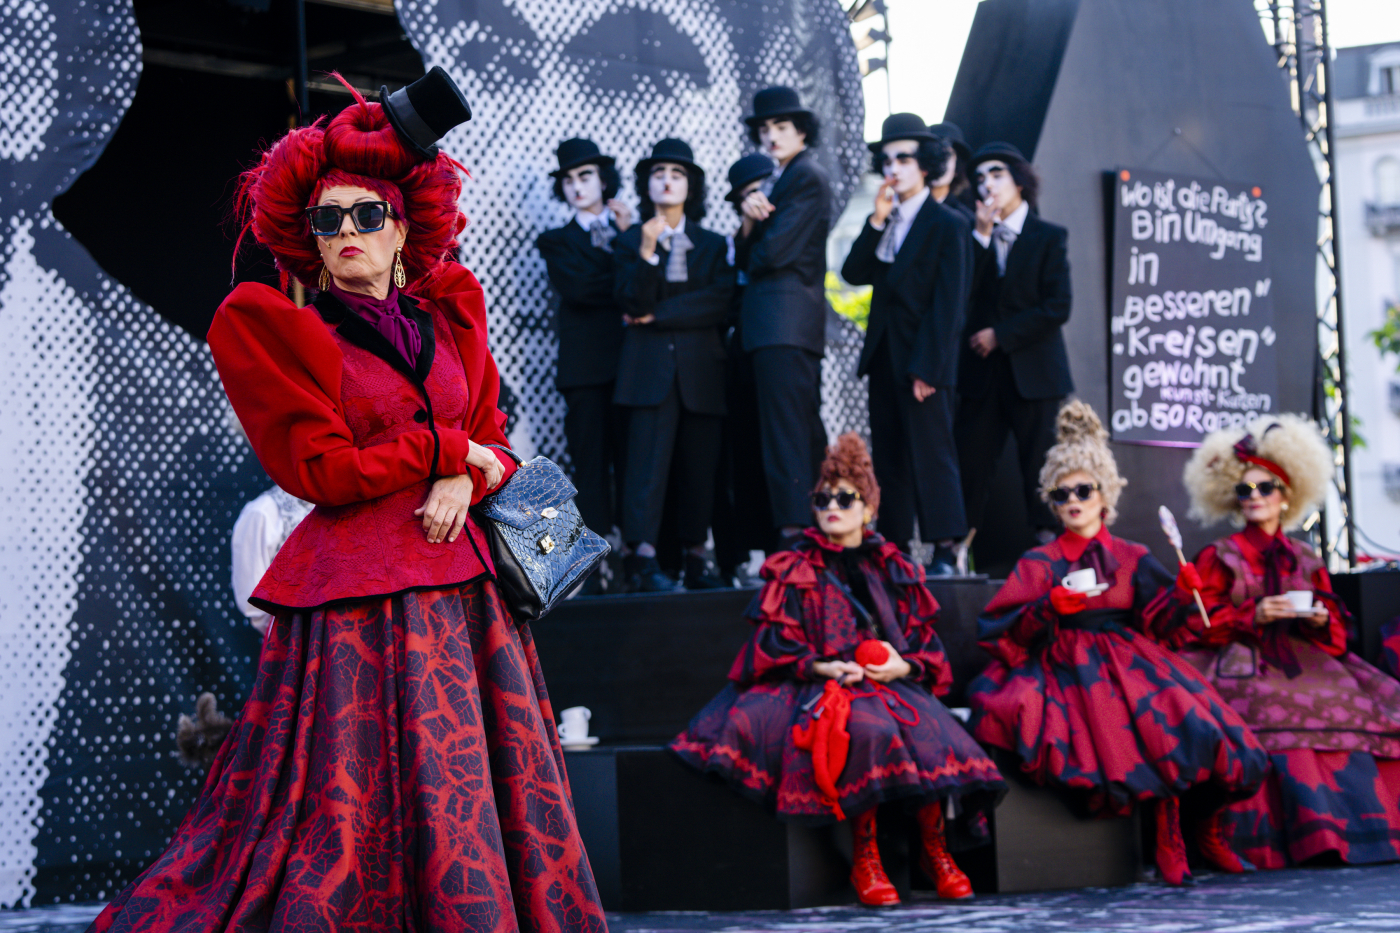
782	250
917	254
1014	369
951	188
674	282
579	258
742	518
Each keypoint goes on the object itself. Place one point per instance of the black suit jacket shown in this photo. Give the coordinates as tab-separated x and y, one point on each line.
919	303
588	322
683	344
785	261
1026	307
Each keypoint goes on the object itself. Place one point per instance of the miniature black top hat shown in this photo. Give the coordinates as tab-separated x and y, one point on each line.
425	111
1002	151
746	171
901	126
775	102
669	150
575	152
954	134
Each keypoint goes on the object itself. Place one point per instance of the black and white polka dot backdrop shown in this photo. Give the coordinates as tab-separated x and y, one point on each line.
120	476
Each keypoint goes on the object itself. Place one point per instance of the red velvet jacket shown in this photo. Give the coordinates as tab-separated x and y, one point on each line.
1234	572
337	417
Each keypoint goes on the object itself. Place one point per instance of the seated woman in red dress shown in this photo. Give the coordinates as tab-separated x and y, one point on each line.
844	657
396	766
1078	694
1329	720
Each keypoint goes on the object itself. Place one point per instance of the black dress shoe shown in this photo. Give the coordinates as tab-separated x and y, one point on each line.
943	564
700	574
644	575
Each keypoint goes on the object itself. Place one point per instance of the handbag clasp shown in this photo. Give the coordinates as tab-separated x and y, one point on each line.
546	544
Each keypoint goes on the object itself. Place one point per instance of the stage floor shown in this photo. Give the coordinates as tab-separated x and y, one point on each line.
1313	900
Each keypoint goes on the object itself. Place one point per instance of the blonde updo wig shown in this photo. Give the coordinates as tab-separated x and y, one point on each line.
1292	442
1081	444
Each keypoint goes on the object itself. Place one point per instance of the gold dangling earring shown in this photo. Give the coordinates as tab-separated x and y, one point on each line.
323	281
400	278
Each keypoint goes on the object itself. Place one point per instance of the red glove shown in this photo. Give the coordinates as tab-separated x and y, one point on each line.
1188	578
1067	601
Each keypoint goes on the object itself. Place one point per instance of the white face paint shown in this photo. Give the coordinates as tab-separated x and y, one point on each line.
901	167
781	139
583	189
668	185
996	186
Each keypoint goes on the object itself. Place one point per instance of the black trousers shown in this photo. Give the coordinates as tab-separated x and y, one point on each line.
654	436
789	385
595	430
982	426
916	458
742	520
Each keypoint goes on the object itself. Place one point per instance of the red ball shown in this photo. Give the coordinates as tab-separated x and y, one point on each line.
871	651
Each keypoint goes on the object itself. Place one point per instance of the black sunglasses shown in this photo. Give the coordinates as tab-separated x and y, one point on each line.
1061	494
367	216
843	499
1266	489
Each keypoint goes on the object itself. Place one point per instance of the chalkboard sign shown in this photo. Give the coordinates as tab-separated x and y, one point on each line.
1191	321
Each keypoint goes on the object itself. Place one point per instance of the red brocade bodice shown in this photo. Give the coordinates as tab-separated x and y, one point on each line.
337	417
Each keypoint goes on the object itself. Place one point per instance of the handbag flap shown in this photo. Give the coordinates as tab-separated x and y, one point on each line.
536	485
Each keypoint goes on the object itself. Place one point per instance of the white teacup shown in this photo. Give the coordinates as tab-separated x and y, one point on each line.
1081	581
1302	600
574	727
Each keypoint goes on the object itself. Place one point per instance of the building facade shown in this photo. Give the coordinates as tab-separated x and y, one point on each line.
1366	93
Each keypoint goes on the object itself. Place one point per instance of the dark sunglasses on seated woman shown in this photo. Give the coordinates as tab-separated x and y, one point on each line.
1061	494
1266	489
843	499
367	216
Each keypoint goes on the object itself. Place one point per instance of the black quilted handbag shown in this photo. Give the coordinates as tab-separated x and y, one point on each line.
540	546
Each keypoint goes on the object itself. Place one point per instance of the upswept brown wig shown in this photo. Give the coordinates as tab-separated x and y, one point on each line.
1081	444
849	459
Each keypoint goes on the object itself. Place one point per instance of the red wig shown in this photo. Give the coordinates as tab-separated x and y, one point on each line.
849	460
358	148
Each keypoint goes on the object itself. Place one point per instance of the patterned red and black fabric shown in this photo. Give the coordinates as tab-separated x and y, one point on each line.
396	768
745	733
1088	703
1319	802
1329	720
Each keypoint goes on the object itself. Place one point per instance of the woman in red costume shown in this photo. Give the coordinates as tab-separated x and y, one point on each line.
396	766
832	705
1079	695
1329	720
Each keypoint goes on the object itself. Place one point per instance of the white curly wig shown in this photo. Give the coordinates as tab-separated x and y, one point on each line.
1291	441
1081	444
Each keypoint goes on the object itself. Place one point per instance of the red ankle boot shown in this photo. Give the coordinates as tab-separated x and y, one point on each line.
867	874
1210	837
934	859
1171	848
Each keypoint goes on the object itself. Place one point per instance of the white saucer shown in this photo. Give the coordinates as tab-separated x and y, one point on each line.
580	746
1094	591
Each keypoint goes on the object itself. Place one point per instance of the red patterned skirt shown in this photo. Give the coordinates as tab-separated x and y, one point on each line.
396	768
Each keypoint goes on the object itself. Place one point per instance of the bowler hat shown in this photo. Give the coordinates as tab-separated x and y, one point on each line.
669	150
778	101
425	111
746	171
954	134
575	152
901	126
1002	151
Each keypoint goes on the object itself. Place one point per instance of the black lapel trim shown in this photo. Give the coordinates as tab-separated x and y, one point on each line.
363	335
782	184
1025	244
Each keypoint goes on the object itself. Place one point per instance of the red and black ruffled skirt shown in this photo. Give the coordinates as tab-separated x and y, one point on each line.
396	768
